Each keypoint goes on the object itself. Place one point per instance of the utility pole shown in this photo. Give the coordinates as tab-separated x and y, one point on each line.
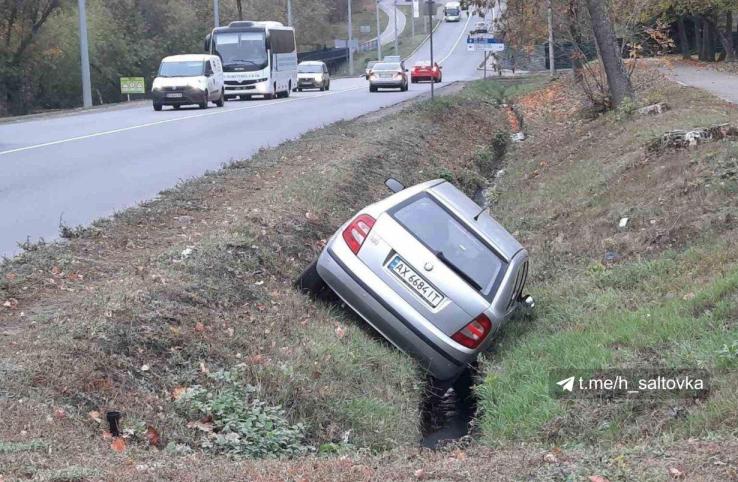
289	12
551	56
84	55
412	19
350	41
397	47
379	34
216	13
432	62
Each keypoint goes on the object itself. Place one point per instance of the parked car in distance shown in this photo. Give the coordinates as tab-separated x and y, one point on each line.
388	75
422	70
369	66
479	27
188	79
430	270
313	74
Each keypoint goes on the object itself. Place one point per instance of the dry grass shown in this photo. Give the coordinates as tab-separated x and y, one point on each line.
158	298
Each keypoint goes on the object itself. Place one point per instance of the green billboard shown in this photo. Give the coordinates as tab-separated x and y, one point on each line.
132	85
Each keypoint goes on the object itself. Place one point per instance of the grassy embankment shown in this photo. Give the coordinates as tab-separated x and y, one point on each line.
666	296
180	313
669	298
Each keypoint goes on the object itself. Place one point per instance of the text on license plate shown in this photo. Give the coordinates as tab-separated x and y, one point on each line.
175	95
416	282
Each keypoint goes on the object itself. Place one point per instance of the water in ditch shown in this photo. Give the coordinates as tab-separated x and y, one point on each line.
447	414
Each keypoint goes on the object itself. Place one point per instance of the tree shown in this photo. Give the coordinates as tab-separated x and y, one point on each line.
617	79
23	20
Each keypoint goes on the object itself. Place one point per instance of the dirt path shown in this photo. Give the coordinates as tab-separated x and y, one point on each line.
722	84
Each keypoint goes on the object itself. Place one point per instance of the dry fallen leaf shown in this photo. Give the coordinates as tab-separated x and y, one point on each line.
676	473
419	474
11	303
199	327
177	392
119	445
145	367
256	359
550	458
95	415
153	436
200	425
340	332
56	271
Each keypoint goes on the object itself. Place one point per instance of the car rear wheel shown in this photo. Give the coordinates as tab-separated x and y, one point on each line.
372	88
310	281
221	101
328	86
176	107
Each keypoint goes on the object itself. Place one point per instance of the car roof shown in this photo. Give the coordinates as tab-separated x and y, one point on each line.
187	58
486	226
311	62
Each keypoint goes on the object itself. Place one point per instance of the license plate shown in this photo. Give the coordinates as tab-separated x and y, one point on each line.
174	96
415	282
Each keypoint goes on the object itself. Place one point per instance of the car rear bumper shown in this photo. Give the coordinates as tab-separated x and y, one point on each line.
385	310
387	83
188	96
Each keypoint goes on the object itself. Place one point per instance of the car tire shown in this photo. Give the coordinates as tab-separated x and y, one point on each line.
328	86
309	281
157	107
176	107
372	88
221	102
204	104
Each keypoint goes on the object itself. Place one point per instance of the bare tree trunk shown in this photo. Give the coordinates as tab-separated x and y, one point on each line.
617	79
698	36
726	37
683	41
575	31
239	6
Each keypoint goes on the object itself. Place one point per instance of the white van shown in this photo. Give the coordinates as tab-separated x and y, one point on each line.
452	12
189	79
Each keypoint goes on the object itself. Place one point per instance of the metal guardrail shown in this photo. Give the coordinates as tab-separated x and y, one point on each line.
333	58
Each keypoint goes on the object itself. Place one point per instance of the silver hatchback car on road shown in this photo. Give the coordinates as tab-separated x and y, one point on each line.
430	270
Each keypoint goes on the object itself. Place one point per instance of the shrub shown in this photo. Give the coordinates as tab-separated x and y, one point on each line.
243	425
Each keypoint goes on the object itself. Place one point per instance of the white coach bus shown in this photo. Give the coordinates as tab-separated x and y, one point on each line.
259	58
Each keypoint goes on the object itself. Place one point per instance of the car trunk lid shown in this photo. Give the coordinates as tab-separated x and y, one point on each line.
426	281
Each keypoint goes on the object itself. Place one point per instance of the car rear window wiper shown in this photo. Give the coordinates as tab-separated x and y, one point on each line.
457	270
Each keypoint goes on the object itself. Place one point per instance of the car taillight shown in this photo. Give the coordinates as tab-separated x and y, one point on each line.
356	232
473	334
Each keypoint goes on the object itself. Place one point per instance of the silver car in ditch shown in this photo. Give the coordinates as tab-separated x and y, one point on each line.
430	270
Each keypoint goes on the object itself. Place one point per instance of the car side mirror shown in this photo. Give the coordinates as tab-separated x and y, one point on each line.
528	302
206	44
394	185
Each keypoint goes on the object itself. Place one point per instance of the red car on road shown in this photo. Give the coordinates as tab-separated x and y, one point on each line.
422	70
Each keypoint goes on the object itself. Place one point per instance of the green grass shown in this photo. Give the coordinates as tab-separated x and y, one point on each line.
16	447
649	313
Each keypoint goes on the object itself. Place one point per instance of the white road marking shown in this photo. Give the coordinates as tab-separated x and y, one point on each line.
167	121
463	31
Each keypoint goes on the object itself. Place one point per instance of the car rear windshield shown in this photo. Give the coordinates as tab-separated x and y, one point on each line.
460	249
422	63
181	68
386	66
310	69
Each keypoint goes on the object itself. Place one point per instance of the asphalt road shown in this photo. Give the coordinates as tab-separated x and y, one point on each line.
721	84
81	166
